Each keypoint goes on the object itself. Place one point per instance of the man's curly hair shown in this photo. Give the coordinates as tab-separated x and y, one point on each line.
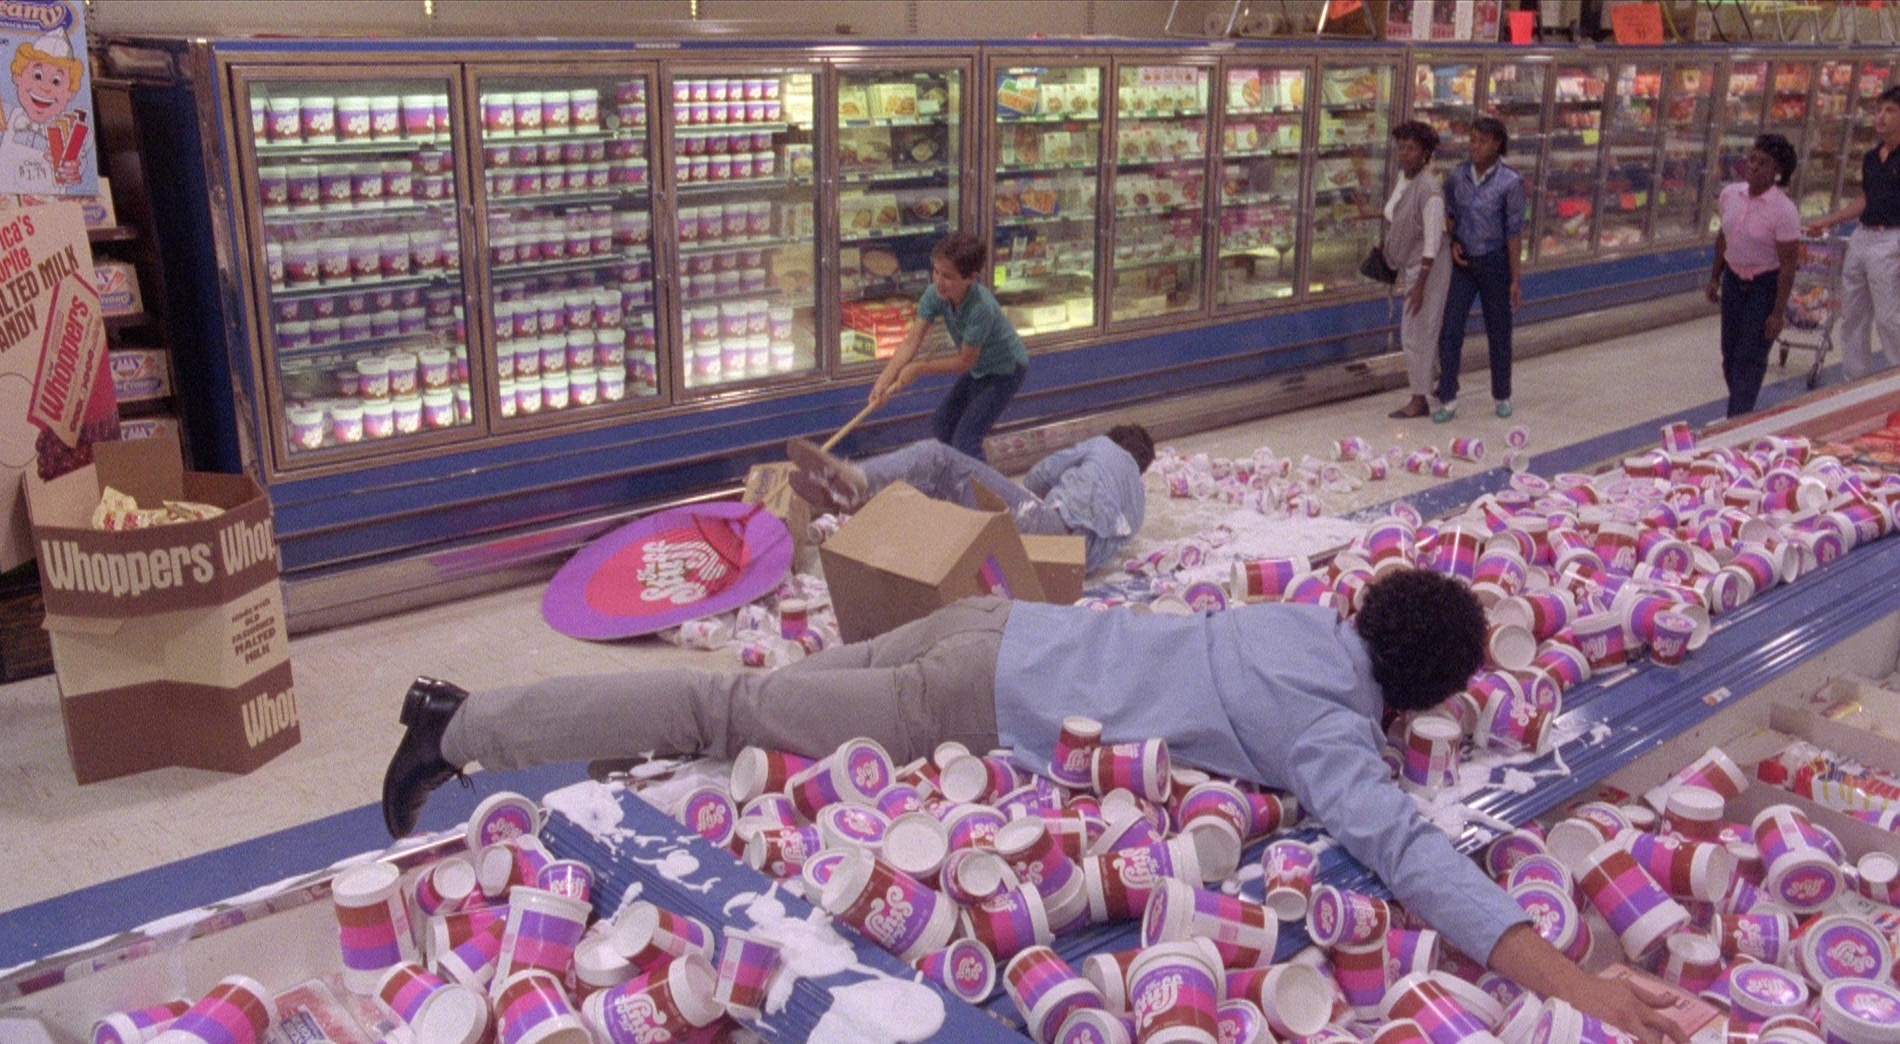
1425	634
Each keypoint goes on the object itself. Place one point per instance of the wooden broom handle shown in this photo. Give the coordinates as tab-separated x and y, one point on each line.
846	430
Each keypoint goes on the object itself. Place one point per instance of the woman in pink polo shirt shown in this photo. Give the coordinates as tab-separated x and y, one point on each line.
1755	256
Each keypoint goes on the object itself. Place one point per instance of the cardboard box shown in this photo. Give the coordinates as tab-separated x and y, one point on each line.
905	555
118	285
162	426
140	373
169	643
53	361
1061	563
98	210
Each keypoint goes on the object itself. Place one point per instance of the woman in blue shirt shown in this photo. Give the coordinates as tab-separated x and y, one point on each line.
990	358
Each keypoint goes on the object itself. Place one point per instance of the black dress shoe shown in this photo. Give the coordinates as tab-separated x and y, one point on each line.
417	767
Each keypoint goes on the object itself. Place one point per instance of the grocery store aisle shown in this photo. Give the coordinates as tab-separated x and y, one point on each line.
315	804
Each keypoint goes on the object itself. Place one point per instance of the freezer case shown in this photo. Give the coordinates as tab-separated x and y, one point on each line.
565	165
1567	191
1048	174
1514	94
744	188
1629	154
1263	137
900	161
1744	101
1682	194
348	184
1350	175
1159	234
1817	183
1445	95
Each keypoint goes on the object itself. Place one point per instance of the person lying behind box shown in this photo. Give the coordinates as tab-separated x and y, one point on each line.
1092	489
1287	696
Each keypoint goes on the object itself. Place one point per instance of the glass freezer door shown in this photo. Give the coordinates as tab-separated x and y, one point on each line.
1262	135
1567	199
1744	100
1160	181
1629	171
1445	95
1872	76
745	223
1349	172
1048	169
1514	94
1792	100
1817	181
567	181
1685	150
900	191
356	198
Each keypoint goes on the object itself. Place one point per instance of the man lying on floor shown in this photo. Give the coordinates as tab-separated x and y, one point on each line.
1288	696
1092	489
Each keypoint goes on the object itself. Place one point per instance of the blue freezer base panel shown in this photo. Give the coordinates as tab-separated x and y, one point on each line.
491	491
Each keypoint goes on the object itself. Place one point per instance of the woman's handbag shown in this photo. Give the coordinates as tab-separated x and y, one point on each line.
1375	267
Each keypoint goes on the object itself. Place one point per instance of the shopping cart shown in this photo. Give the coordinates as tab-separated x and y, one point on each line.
1814	303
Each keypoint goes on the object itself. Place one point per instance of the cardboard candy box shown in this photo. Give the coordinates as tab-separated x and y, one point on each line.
169	643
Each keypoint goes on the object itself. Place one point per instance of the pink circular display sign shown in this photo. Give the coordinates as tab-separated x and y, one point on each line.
668	568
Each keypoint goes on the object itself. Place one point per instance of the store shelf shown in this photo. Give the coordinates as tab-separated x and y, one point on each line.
699	129
451	278
112	234
1286	153
1161	114
1042	219
610	195
1041	168
1257	198
1156	262
1184	207
1074	117
879	177
1165	161
767	293
631	130
1283	110
936	228
563	266
380	147
340	349
707	188
897	121
727	244
357	213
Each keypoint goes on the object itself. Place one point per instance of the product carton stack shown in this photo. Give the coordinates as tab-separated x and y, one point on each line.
169	641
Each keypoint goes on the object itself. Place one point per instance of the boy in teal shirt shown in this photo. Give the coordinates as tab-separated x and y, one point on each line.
990	355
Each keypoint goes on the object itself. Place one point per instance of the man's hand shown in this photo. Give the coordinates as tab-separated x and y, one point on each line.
1517	294
1458	254
1772	328
1715	290
1629	1007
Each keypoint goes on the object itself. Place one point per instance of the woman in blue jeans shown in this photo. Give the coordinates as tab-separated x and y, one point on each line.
1756	253
1484	212
990	356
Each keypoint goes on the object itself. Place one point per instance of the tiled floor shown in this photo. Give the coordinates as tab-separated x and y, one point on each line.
65	837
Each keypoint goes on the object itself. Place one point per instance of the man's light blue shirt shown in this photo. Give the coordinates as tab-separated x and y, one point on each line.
1095	486
1281	695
